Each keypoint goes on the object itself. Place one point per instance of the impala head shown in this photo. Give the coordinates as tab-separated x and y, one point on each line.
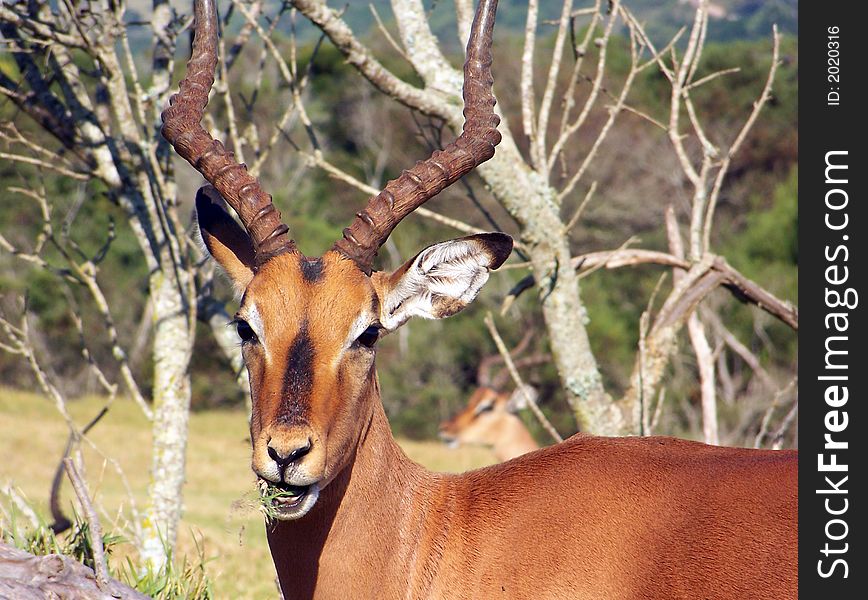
309	329
481	422
309	326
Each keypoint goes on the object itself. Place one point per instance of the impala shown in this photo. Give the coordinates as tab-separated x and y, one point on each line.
589	518
489	418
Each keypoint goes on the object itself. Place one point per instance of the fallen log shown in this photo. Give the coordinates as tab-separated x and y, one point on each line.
23	575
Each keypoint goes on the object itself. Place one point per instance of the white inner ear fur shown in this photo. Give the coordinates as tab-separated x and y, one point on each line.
519	398
441	281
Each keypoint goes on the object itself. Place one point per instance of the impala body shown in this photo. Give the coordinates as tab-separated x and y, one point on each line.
490	420
589	518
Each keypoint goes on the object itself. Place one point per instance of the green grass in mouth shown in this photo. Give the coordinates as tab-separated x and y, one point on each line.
269	493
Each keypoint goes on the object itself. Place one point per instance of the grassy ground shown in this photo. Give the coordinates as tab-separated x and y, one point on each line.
219	495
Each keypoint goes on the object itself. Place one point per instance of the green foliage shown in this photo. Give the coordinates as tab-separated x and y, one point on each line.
768	247
79	544
184	580
39	540
767	251
426	381
615	301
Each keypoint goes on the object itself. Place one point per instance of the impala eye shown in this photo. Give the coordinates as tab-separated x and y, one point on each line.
245	331
369	336
484	408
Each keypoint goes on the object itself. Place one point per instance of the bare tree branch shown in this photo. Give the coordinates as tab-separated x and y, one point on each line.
61	522
725	275
571	128
528	99
699	341
707	379
740	349
100	566
758	105
770	411
549	89
361	58
531	402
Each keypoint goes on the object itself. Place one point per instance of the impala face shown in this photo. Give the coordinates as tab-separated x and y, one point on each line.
482	421
309	328
308	331
477	423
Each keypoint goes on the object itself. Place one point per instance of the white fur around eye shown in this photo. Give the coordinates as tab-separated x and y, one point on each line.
442	280
251	314
255	321
362	322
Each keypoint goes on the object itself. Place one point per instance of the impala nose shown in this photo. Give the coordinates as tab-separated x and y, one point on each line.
286	458
445	433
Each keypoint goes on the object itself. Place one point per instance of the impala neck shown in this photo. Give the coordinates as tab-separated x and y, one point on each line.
513	439
371	519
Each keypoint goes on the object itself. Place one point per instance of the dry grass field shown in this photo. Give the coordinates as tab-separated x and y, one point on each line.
219	495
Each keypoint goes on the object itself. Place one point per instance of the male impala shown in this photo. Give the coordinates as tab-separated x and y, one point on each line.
590	518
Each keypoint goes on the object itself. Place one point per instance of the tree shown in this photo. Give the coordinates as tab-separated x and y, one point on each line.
75	76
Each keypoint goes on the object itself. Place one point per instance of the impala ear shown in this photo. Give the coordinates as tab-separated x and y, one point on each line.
441	280
224	238
519	398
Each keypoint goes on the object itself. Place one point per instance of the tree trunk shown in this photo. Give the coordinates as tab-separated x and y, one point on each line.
531	202
100	114
173	344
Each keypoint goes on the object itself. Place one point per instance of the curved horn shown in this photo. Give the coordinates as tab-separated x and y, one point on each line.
427	178
182	128
483	371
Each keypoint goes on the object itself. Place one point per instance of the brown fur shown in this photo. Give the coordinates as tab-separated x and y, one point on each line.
589	518
227	242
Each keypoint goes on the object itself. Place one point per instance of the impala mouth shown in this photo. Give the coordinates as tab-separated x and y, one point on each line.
449	440
284	501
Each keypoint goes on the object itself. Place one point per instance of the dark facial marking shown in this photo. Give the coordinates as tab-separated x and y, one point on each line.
297	379
446	307
375	306
311	269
